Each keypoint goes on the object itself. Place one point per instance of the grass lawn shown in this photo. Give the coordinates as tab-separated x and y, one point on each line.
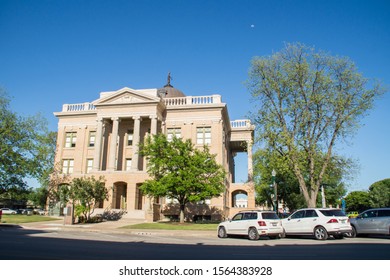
173	226
20	219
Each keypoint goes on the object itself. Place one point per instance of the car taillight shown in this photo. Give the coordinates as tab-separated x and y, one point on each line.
333	221
262	223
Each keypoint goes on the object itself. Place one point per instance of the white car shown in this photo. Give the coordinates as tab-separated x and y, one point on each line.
319	222
252	224
8	211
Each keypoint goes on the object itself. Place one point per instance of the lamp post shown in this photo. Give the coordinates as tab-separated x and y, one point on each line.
275	191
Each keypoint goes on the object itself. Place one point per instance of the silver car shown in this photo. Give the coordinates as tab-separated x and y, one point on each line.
372	221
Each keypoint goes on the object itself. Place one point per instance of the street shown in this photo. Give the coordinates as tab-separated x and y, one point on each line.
17	243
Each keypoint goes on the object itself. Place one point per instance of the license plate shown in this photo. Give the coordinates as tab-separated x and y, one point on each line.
274	224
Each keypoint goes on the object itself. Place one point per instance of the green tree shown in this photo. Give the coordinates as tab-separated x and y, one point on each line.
45	156
180	171
358	201
380	193
288	185
86	193
38	196
23	149
308	101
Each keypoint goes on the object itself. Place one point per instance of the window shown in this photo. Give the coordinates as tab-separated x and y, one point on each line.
130	134
89	165
70	139
270	216
173	132
128	164
67	166
311	214
384	213
203	135
298	215
250	216
92	137
370	214
333	212
237	217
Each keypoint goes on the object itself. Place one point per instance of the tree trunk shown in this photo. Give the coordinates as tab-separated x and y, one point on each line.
182	206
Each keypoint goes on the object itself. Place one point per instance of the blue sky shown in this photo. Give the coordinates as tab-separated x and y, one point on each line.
56	52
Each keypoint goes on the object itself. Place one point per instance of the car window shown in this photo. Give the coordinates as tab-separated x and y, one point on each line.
237	217
332	212
253	216
384	213
270	216
369	214
298	215
310	213
247	216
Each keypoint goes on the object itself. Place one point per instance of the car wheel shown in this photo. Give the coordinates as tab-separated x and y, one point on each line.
353	232
320	233
222	232
253	234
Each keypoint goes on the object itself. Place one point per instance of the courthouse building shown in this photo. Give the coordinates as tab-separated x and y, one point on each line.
101	138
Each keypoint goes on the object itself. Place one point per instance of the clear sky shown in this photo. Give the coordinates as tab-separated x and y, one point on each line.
56	52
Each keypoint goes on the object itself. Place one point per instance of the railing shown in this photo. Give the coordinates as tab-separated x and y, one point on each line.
78	107
193	100
174	101
240	124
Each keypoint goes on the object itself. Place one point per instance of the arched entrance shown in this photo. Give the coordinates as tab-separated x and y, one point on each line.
119	200
239	199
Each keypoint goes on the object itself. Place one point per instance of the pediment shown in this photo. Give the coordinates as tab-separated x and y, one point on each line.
127	96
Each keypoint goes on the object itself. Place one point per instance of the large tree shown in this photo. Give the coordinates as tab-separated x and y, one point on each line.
25	147
180	171
307	102
358	201
287	184
380	193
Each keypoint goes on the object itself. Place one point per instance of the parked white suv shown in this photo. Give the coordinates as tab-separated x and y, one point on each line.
252	224
320	222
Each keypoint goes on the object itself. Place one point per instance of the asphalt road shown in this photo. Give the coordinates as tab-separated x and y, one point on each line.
23	244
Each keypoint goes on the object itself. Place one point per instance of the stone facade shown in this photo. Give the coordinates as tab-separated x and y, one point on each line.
101	138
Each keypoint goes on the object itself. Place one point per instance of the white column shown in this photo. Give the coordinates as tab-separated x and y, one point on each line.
250	161
98	145
136	139
153	127
113	144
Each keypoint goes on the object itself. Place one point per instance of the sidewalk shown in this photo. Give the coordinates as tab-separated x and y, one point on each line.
112	227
